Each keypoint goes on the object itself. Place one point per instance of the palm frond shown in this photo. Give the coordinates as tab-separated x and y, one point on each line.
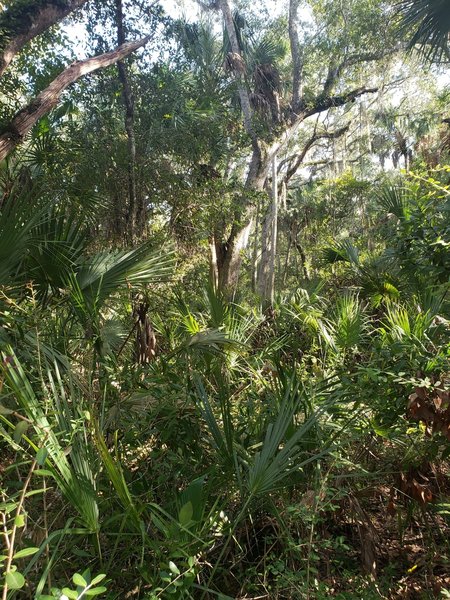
22	211
349	320
56	244
218	438
427	22
74	477
308	309
343	251
102	274
286	445
117	479
219	308
211	340
394	200
268	50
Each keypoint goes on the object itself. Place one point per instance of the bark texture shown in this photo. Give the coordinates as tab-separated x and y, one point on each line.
266	279
14	133
23	21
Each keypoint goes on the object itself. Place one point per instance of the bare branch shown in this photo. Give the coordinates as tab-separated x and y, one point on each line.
295	161
14	133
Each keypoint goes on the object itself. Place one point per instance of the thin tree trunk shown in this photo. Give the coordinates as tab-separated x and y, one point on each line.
301	252
263	266
135	217
269	245
286	262
213	270
255	248
273	248
296	55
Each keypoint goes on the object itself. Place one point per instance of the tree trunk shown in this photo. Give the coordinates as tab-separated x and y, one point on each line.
301	252
135	217
257	175
269	245
274	233
265	254
286	260
296	54
255	253
213	270
242	90
229	252
15	132
229	257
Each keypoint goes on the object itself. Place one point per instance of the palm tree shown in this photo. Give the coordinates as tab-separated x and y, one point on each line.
428	23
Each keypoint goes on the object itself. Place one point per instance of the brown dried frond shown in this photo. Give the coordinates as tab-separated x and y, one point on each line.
234	63
260	103
432	408
145	344
267	79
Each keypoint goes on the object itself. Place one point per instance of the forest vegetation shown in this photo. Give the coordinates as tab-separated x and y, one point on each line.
224	299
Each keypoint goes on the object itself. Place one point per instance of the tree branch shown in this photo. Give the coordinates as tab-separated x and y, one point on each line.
335	71
23	21
14	133
296	160
323	103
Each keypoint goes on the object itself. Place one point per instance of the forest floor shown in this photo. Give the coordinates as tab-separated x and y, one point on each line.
398	536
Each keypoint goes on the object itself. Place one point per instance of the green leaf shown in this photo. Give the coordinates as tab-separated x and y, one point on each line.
5	411
79	580
19	520
380	430
70	593
25	552
14	580
95	591
43	472
8	507
186	513
173	567
19	430
41	456
99	578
